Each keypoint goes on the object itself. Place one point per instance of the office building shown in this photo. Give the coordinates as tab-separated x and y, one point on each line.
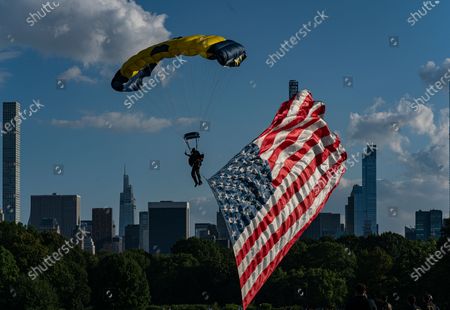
88	244
222	231
168	223
65	209
325	224
50	225
293	88
355	214
117	246
428	224
143	231
369	184
102	228
127	205
11	161
221	226
86	225
206	231
410	233
132	237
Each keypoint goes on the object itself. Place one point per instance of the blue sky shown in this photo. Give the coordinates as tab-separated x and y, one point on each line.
86	127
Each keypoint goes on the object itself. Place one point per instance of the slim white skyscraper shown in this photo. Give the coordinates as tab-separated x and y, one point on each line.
11	161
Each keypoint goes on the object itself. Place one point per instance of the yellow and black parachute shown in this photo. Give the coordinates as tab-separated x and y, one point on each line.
227	52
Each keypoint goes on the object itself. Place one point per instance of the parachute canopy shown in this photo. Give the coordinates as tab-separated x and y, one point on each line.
130	76
192	136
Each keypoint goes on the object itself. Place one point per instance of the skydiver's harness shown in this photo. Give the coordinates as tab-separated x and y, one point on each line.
196	160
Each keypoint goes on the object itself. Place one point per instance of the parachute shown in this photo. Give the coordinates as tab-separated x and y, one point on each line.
191	136
130	76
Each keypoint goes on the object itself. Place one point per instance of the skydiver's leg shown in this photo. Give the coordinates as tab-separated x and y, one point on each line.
199	177
194	176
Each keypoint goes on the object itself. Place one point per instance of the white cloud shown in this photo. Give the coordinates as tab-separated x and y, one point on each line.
423	182
126	122
86	31
74	73
430	73
385	127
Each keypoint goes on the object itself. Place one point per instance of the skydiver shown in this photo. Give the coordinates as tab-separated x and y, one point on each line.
195	161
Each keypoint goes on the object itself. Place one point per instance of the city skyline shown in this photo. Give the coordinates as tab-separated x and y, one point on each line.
79	127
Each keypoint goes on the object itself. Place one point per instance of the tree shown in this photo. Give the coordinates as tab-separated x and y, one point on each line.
30	294
118	282
323	288
332	256
374	269
8	276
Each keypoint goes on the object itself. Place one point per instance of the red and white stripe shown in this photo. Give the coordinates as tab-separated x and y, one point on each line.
306	160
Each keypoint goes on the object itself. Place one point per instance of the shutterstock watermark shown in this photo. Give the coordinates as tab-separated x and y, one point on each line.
13	123
56	256
302	33
431	261
154	81
430	92
46	8
416	16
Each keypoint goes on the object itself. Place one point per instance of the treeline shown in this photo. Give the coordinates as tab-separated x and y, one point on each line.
201	275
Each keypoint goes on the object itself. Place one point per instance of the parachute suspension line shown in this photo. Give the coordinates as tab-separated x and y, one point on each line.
211	98
184	90
209	71
216	94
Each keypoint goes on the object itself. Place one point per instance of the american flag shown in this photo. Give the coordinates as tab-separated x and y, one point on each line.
272	190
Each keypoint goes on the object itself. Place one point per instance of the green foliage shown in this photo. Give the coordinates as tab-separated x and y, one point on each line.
118	282
201	275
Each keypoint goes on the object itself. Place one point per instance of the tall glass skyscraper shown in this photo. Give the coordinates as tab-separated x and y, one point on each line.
354	212
293	88
369	183
11	161
428	224
127	213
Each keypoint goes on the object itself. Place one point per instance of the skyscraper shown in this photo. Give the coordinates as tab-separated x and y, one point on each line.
11	161
168	222
221	226
65	209
127	205
369	184
354	212
410	233
102	228
435	223
132	237
206	231
428	224
222	231
293	88
325	224
143	231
